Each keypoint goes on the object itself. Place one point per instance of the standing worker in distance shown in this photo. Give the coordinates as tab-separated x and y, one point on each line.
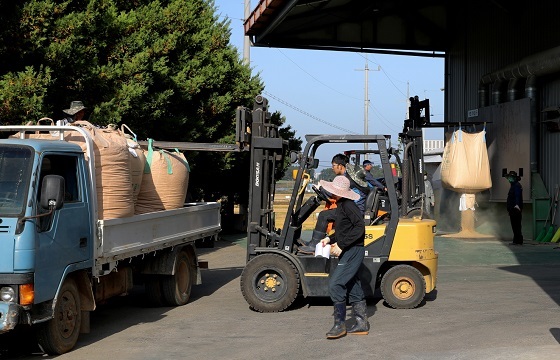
348	246
430	200
514	206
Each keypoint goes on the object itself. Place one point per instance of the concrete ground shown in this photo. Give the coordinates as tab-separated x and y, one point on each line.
493	301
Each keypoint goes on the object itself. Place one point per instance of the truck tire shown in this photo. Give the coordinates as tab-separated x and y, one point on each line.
403	287
270	283
152	285
60	334
177	288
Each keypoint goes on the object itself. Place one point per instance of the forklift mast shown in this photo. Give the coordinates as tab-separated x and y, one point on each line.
412	166
256	131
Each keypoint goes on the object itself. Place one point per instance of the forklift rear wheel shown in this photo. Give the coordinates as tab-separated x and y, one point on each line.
403	287
270	283
414	212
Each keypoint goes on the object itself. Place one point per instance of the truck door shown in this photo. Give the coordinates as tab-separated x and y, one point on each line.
64	238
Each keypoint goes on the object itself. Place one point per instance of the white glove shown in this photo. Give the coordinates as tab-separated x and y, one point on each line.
517	207
335	250
433	204
325	241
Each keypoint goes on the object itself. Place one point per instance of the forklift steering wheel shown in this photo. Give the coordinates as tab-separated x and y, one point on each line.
320	193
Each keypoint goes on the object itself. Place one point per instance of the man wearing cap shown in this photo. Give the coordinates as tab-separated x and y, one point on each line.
74	113
373	182
348	246
514	204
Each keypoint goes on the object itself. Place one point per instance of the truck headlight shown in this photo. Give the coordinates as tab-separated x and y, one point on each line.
7	294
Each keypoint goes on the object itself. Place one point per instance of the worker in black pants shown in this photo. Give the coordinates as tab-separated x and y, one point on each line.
515	206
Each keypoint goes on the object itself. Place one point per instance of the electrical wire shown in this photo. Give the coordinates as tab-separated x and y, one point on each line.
308	114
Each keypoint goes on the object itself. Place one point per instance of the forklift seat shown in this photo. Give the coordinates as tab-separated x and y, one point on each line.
374	212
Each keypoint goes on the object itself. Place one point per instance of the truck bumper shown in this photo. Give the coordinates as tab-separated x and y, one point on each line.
9	316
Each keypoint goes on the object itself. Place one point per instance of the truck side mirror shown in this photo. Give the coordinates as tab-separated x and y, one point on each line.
52	192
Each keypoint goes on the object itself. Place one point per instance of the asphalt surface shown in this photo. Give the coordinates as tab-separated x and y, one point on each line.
493	301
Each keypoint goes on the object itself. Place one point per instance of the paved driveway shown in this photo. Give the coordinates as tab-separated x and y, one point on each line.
493	301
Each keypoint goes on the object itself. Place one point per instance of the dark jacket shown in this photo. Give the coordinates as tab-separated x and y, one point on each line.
515	196
350	226
373	181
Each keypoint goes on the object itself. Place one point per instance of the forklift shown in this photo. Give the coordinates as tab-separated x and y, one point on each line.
400	259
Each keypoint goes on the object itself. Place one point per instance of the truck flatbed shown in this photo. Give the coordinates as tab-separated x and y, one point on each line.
124	238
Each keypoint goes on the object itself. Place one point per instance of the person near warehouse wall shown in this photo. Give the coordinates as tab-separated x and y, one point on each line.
514	204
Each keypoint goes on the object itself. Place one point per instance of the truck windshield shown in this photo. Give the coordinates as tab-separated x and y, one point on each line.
15	169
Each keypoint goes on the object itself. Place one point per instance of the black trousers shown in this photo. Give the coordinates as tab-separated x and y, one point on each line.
515	219
324	218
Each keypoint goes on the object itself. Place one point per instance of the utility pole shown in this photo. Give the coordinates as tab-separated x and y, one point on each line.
246	41
366	100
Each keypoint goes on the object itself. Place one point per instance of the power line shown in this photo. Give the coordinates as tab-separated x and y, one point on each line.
308	114
314	78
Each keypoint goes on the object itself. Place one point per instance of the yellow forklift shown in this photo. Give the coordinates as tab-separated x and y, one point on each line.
400	259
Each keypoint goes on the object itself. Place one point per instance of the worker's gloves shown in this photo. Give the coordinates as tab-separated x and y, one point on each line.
335	250
433	204
325	241
517	207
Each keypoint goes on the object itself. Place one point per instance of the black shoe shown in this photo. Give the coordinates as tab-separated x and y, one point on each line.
515	244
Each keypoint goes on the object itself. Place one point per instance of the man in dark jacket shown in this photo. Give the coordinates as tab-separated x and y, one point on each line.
514	206
348	246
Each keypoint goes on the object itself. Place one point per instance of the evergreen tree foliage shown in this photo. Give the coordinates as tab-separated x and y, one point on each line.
165	68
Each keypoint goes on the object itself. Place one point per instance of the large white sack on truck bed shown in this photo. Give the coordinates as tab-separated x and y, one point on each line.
165	181
112	170
465	167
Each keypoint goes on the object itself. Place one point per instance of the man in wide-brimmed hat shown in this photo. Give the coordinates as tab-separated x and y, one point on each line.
348	245
326	218
75	112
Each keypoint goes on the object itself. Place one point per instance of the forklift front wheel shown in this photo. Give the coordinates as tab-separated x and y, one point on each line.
403	287
270	283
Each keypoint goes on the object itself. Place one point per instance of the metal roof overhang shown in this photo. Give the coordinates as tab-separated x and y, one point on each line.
403	27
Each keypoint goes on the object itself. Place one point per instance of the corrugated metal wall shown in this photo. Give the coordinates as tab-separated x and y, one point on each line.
489	37
549	153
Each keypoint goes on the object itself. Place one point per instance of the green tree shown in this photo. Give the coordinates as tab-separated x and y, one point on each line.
327	174
164	68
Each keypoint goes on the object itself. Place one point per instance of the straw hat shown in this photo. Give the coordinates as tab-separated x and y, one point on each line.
340	186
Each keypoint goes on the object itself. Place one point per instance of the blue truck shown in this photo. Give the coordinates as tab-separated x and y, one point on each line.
58	259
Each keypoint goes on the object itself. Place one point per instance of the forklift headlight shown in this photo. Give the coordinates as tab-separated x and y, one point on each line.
7	294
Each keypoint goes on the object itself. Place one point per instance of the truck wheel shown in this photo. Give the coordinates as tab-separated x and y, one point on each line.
403	287
270	283
152	285
177	288
60	334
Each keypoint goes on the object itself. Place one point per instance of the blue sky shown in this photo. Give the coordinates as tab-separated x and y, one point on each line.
323	92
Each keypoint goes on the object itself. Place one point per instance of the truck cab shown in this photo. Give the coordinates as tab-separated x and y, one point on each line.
37	246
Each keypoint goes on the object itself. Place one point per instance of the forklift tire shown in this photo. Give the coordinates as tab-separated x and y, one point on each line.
414	212
270	283
403	287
